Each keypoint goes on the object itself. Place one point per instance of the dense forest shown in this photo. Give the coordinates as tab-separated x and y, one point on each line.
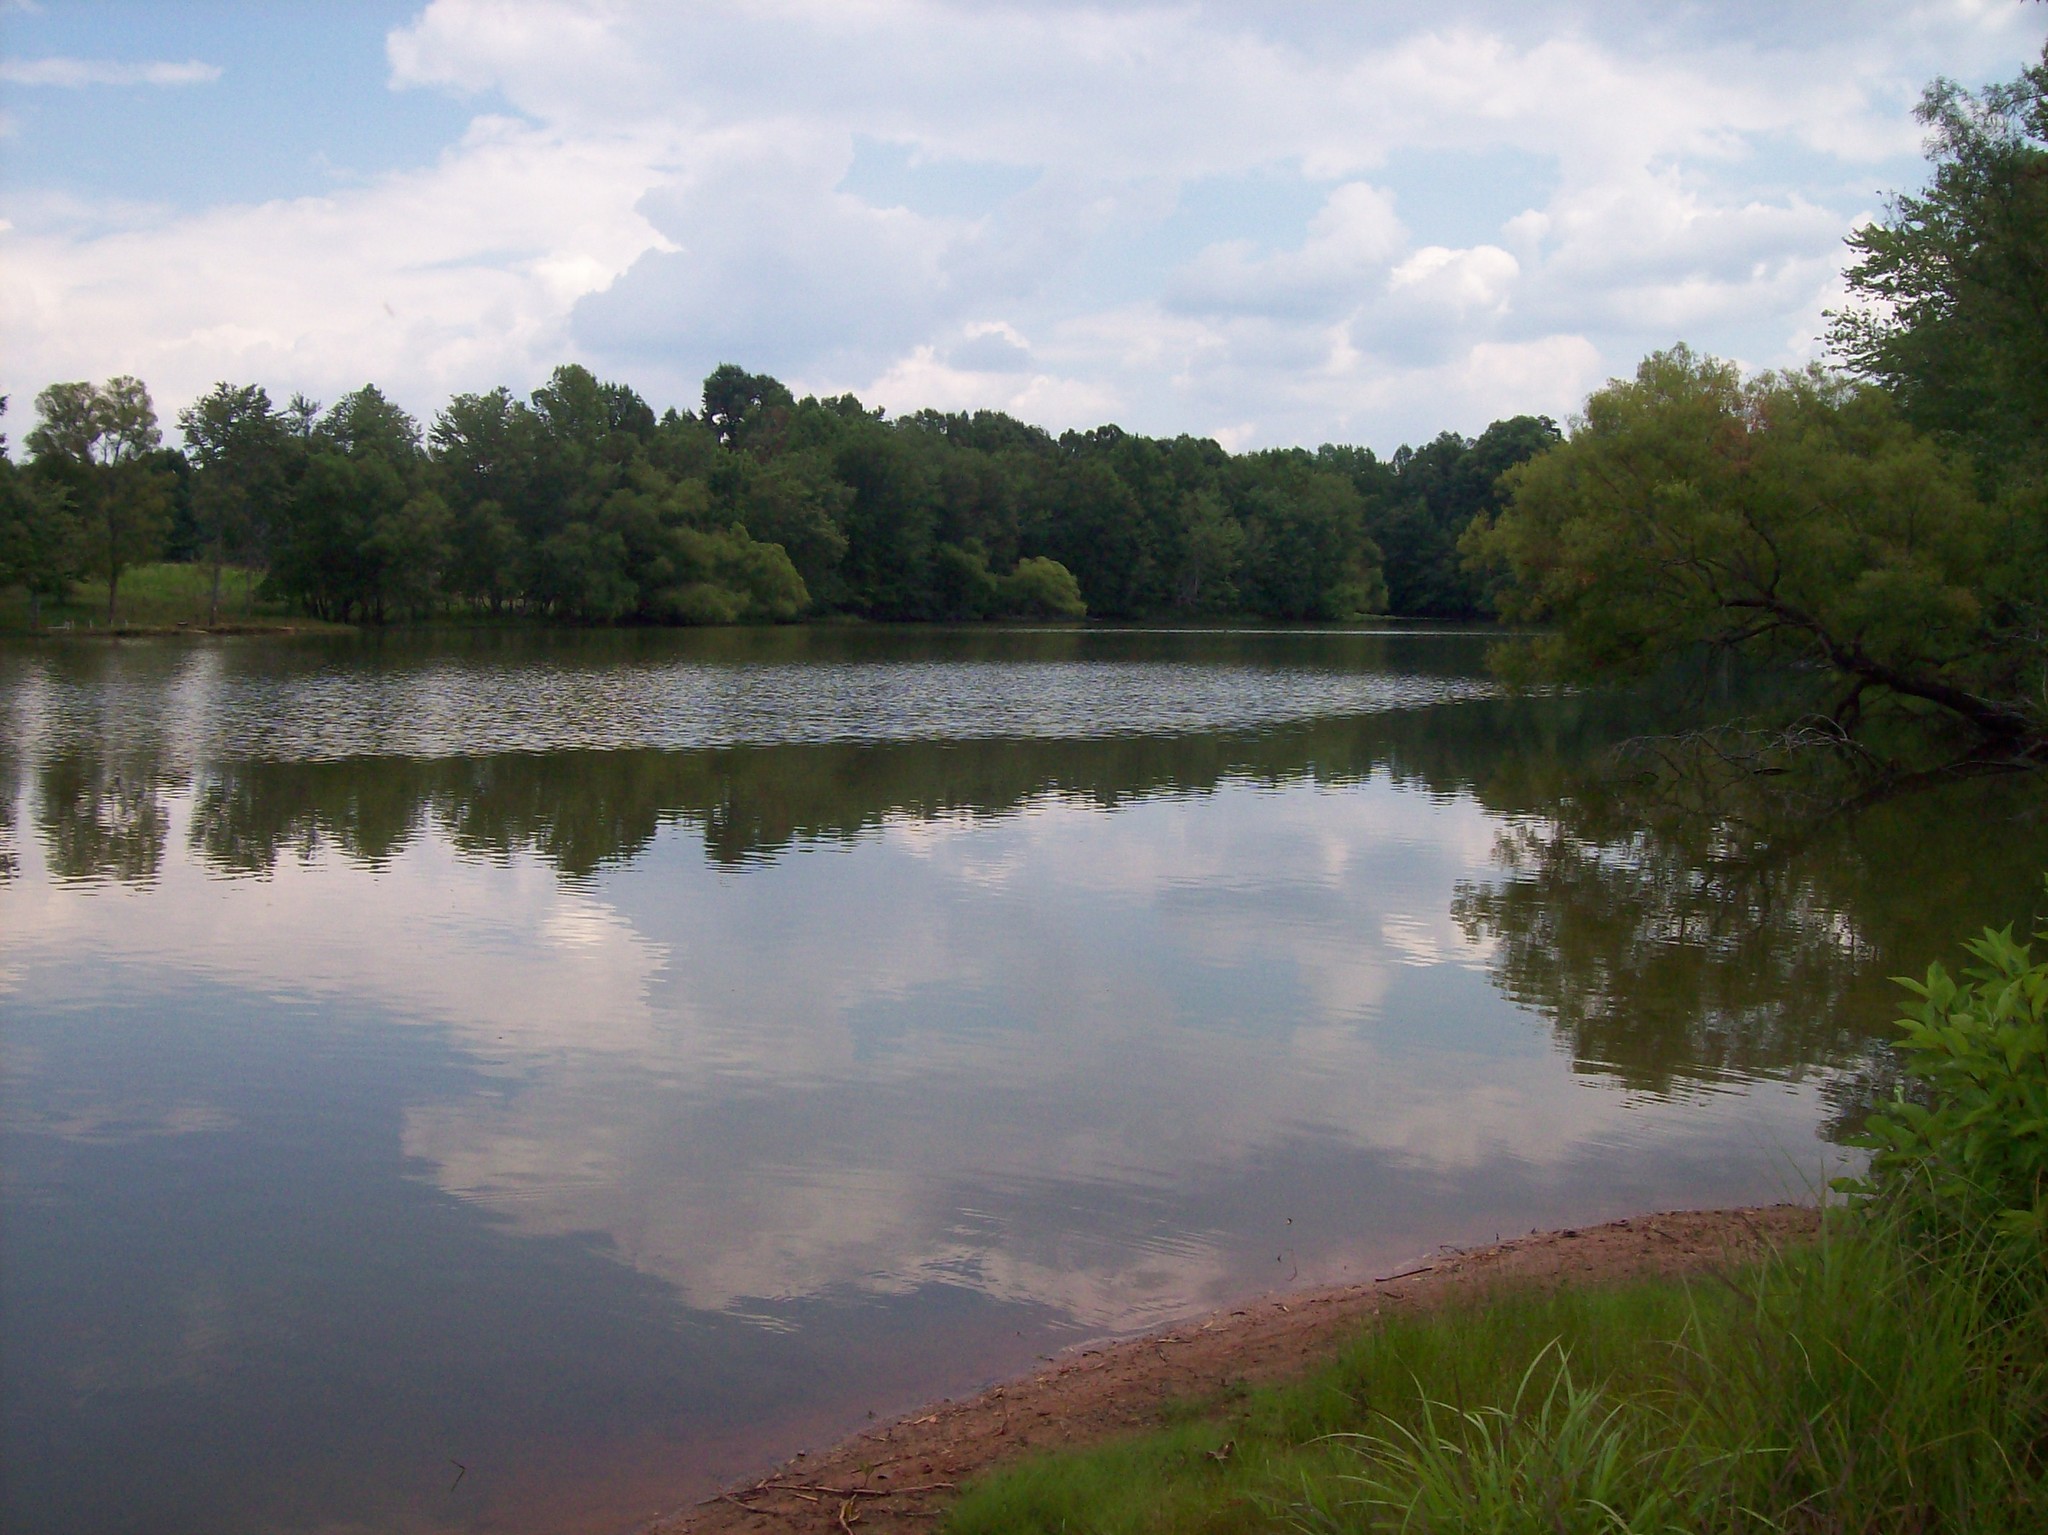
579	504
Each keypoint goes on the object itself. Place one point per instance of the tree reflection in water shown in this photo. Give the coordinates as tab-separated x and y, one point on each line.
1664	959
1620	915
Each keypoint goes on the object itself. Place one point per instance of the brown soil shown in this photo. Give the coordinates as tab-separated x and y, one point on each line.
897	1477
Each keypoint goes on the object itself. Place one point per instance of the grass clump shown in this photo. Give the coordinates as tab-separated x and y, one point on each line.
1890	1377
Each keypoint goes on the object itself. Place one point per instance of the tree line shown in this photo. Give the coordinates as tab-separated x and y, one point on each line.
1879	534
580	504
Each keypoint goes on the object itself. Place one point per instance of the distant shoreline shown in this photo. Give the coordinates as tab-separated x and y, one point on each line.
1164	624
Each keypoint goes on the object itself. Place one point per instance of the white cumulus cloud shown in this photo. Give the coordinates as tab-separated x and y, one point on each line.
71	74
1463	200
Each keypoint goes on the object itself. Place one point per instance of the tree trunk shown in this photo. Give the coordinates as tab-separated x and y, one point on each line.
113	549
213	598
35	610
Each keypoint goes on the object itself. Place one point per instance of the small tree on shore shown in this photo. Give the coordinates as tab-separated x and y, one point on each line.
95	441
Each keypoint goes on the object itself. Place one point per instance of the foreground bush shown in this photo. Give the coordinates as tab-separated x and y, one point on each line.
1967	1156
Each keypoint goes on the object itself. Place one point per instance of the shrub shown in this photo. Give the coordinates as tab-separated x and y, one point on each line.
1042	588
1967	1150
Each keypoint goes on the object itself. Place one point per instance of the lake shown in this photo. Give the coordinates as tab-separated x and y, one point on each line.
517	1082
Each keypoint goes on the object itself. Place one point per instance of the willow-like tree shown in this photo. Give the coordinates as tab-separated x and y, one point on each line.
1886	540
1795	517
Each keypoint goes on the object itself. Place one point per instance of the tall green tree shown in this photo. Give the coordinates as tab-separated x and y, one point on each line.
890	525
359	511
326	560
485	455
746	410
1211	551
41	541
1953	281
1420	501
1094	525
1796	517
241	449
796	502
367	423
96	441
1307	554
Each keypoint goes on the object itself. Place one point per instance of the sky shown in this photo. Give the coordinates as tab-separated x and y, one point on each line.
1267	223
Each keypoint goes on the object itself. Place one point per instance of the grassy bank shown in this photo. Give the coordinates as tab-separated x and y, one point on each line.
159	596
1849	1386
1891	1376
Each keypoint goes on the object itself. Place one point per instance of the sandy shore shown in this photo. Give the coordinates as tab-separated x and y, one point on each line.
895	1477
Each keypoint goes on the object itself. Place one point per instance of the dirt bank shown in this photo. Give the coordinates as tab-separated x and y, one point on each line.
896	1477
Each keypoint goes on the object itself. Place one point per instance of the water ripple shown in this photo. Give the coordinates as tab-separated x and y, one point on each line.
453	709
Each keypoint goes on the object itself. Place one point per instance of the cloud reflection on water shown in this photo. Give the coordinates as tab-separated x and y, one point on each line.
926	1055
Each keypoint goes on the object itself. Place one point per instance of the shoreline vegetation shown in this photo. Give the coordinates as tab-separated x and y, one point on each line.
579	506
166	599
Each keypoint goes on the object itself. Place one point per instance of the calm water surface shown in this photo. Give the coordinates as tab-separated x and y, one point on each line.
608	1063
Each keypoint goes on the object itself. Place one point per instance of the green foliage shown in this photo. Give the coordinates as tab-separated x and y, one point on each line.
577	504
244	454
745	409
1952	285
1555	1458
795	502
757	579
97	444
1307	554
962	585
1041	588
326	558
42	543
1420	502
579	573
1968	1152
1795	517
408	549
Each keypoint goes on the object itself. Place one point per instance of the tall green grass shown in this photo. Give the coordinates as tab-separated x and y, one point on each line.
1845	1386
1889	1378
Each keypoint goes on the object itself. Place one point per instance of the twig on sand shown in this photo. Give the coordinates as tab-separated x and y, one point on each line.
862	1492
